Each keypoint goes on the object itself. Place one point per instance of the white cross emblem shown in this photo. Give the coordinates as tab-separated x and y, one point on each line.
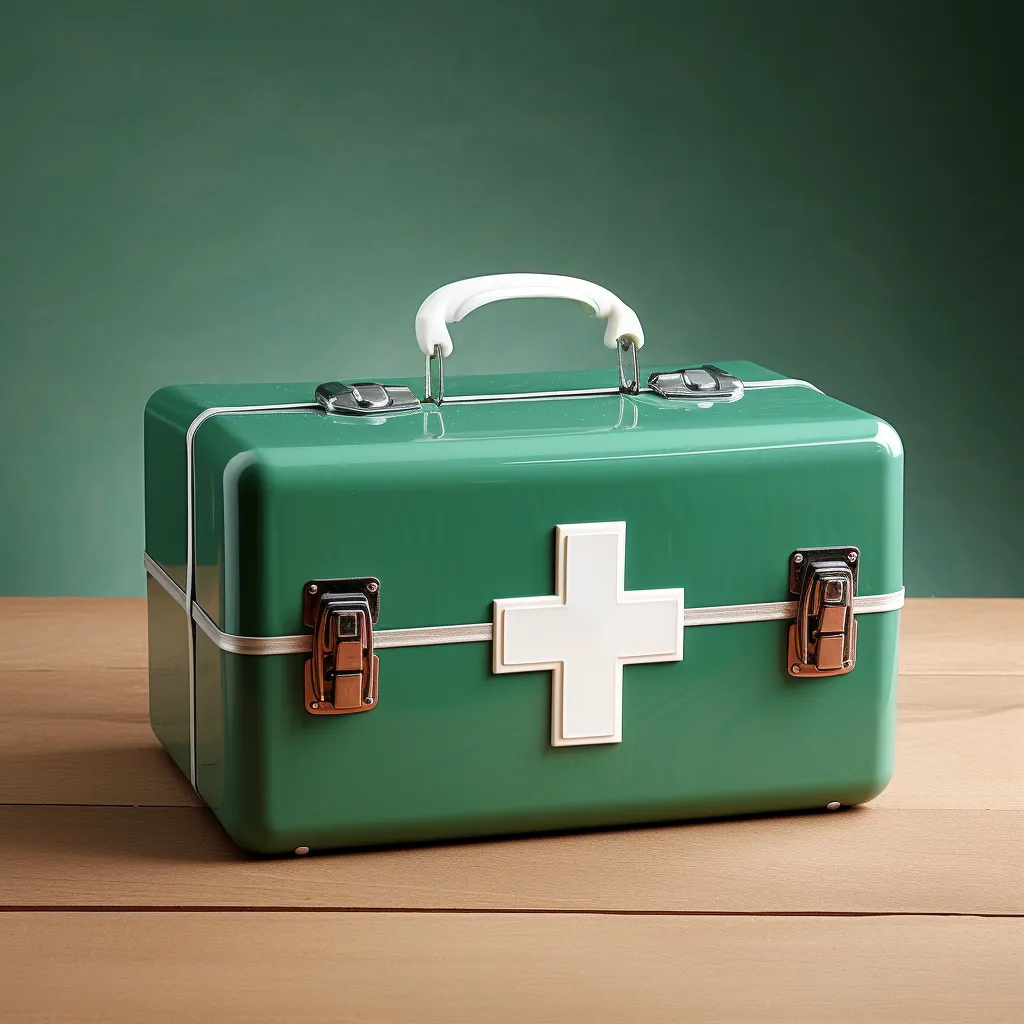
586	632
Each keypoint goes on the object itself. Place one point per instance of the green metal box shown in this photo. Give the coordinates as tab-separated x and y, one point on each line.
599	605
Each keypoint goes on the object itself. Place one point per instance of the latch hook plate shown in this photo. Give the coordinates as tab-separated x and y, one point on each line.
823	640
342	673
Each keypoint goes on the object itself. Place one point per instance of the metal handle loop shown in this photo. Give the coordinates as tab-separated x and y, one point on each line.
427	391
628	387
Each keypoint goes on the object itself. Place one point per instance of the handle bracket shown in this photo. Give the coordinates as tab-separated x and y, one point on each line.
628	387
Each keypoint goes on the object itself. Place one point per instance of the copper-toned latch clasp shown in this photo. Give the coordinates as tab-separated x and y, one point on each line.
341	674
823	640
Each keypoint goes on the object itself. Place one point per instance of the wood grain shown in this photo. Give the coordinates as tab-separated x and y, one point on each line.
863	860
72	633
962	636
959	743
446	968
97	749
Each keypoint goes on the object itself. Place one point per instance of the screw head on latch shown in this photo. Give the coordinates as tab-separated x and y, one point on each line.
798	558
851	557
313	588
371	587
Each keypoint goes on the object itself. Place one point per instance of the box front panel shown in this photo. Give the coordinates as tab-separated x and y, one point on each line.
453	749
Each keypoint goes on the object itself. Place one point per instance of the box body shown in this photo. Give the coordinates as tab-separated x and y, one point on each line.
455	508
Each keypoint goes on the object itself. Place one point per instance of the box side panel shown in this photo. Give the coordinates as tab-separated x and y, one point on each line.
166	422
169	413
228	758
168	416
211	764
168	673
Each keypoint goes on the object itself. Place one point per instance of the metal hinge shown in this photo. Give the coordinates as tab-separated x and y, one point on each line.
823	640
341	674
705	383
365	399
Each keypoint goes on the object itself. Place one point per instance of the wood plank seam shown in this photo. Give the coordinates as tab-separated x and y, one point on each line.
490	911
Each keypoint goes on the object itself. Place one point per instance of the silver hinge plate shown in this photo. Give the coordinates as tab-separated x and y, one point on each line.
341	676
366	399
823	640
705	383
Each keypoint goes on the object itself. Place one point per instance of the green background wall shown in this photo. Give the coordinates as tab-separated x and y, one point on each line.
225	191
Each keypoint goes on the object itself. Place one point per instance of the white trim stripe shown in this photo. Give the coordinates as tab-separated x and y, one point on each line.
781	382
429	636
482	632
157	572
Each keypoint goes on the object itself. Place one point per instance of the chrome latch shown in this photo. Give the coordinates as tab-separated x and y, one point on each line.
366	399
341	674
705	383
823	640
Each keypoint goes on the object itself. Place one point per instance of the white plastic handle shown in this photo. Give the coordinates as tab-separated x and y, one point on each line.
449	304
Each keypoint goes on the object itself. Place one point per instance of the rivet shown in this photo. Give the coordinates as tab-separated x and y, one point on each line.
314	705
367	700
301	851
851	556
313	588
371	587
795	667
797	558
833	806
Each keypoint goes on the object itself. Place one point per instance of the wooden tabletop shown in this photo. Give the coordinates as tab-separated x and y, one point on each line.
123	900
